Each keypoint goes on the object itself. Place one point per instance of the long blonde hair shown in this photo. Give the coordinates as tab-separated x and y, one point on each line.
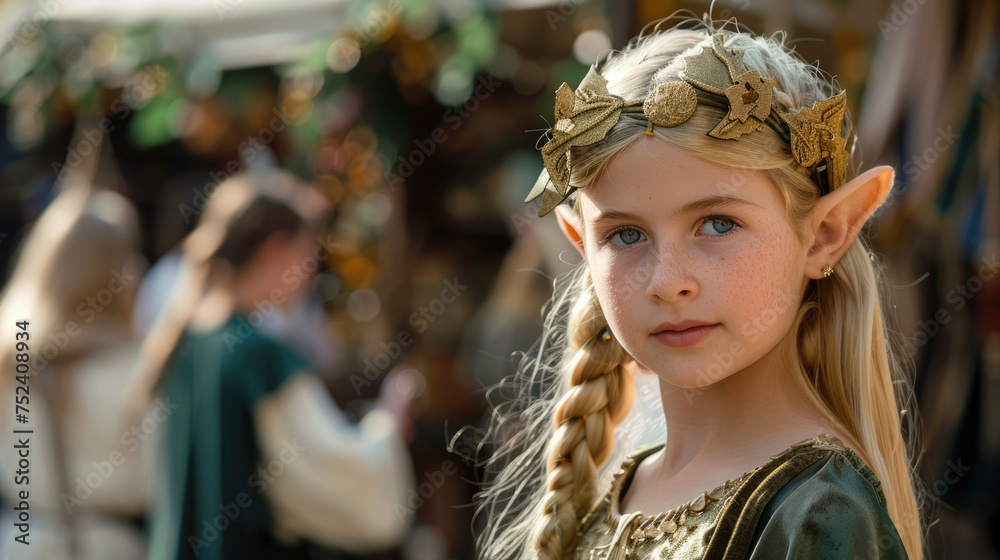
570	390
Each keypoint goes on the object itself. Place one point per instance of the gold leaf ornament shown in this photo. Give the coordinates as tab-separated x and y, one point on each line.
581	119
815	136
748	93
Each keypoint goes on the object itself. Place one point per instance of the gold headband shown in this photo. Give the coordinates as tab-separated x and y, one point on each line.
716	78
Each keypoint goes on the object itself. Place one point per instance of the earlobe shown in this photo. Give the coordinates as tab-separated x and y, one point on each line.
572	227
838	217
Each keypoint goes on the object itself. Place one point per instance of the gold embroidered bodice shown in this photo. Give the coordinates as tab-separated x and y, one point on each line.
686	531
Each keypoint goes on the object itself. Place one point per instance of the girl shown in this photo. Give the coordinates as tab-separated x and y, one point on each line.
258	459
74	284
702	175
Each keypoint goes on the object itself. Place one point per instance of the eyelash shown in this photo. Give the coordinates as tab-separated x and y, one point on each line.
721	218
706	219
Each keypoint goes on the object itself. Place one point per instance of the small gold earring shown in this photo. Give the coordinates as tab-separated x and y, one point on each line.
607	335
827	271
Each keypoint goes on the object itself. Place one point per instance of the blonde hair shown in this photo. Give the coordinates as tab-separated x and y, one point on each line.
842	355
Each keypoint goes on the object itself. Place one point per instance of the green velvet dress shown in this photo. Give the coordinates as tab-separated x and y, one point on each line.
210	502
817	500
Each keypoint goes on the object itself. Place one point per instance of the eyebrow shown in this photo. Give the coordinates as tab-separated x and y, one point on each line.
715	201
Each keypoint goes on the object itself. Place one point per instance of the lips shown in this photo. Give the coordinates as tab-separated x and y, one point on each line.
684	333
680	326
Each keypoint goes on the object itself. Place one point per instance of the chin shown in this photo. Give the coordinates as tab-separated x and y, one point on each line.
689	372
689	382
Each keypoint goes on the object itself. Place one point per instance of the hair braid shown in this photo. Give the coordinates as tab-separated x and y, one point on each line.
600	396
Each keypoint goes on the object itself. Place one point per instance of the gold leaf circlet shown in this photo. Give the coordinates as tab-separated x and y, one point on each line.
716	76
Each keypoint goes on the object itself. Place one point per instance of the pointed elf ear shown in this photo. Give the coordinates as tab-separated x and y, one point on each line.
572	227
839	216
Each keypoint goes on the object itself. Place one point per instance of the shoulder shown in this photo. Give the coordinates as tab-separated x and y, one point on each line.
834	508
253	360
620	478
110	366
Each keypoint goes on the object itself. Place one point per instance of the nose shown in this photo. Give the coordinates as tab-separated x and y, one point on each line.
670	276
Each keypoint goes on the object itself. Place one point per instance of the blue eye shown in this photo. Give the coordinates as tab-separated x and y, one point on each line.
720	225
626	236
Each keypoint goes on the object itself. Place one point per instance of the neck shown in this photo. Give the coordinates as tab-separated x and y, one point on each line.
228	293
245	294
212	310
743	419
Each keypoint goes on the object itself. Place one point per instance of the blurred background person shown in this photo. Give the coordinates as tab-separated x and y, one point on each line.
300	324
257	458
73	285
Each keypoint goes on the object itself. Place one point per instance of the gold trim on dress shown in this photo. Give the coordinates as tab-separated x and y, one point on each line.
633	529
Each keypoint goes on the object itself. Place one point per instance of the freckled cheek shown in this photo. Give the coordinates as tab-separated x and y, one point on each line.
754	275
617	290
769	289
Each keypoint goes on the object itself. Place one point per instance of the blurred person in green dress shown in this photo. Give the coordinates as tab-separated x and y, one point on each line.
258	459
